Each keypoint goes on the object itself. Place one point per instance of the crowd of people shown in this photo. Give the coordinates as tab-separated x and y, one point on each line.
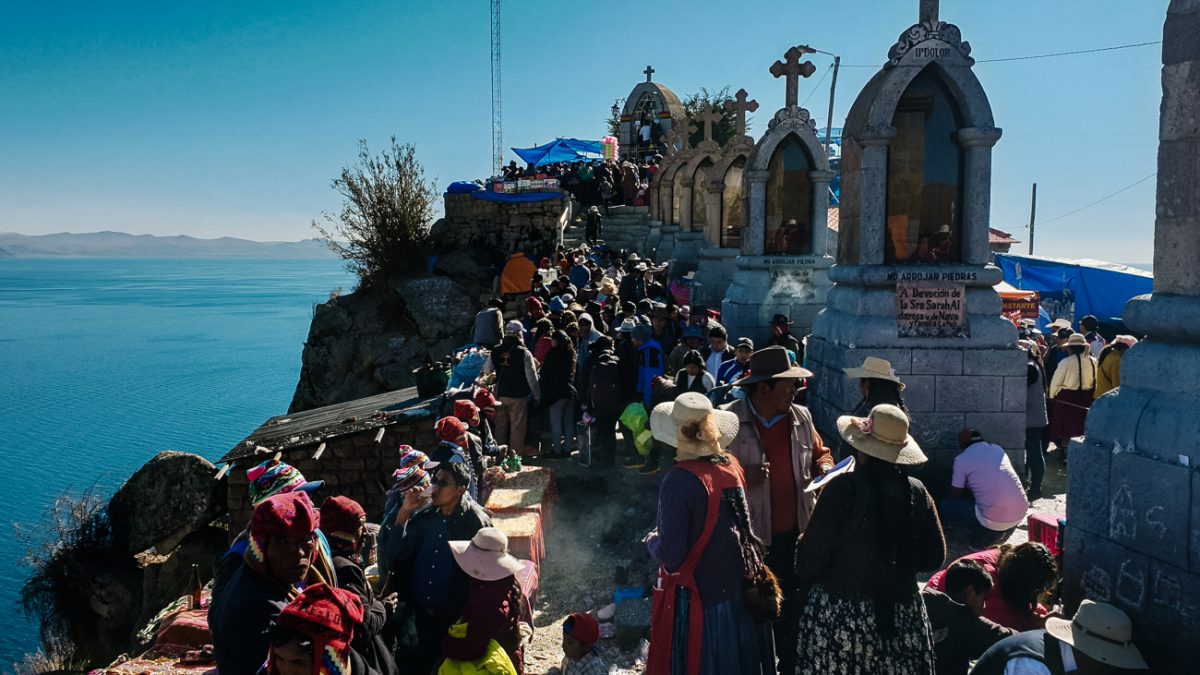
778	551
601	183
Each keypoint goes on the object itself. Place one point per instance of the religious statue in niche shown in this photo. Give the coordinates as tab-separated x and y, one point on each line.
789	200
925	177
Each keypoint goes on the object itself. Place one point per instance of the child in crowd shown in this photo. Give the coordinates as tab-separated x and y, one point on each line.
580	634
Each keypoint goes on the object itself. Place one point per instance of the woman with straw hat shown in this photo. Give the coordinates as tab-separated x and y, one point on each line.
871	532
878	384
496	604
706	552
1071	390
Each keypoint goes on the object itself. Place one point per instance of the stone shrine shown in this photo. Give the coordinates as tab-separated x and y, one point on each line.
913	282
784	262
1133	487
650	105
666	189
718	185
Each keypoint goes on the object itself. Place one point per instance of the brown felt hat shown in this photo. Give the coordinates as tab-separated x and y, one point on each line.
771	363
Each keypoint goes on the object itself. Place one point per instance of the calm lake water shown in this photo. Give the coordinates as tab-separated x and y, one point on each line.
104	363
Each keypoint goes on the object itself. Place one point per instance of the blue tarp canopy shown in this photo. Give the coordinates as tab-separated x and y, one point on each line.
1096	287
561	150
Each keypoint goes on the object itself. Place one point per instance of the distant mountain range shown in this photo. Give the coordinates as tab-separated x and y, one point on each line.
122	245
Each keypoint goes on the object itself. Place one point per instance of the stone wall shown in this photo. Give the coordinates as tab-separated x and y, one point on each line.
354	466
946	390
471	222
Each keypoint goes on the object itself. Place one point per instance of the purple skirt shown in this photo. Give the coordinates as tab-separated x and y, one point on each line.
1068	414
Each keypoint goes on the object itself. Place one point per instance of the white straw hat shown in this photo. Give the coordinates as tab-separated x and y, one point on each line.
883	435
690	408
875	368
1101	631
485	557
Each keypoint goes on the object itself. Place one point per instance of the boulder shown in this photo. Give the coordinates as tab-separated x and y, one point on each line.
329	318
171	495
436	305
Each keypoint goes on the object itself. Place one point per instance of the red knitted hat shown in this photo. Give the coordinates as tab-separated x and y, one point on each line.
466	411
340	519
328	616
582	627
484	399
450	429
289	514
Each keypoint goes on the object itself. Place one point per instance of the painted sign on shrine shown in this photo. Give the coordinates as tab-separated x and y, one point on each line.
931	309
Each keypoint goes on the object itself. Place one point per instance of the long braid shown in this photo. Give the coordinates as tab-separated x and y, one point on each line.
752	548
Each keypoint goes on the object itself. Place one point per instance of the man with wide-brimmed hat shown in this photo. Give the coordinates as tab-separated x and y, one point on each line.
781	335
780	450
1099	639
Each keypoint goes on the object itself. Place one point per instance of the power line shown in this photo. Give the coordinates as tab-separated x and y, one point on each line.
1038	56
818	84
1108	196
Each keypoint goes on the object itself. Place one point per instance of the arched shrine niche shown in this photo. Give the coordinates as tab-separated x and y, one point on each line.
925	175
733	205
676	192
700	196
789	199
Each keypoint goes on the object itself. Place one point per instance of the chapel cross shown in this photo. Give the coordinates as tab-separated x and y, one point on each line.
741	106
928	11
649	72
708	117
793	70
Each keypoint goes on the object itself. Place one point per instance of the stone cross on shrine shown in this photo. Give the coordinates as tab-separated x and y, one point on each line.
793	70
649	72
740	106
708	117
928	11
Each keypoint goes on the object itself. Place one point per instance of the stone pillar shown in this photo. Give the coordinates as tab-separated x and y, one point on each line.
872	218
1133	489
712	213
754	242
685	205
977	196
820	212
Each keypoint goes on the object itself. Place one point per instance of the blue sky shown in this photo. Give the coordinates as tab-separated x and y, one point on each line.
222	118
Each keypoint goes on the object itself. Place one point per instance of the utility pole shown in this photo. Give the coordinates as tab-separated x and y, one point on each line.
1032	216
837	61
497	132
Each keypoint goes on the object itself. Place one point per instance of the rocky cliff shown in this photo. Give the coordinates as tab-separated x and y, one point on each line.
369	342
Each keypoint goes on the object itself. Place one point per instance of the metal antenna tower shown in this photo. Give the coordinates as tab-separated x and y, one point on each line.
497	133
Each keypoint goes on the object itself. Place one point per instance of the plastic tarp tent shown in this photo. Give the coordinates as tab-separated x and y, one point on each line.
561	150
1096	287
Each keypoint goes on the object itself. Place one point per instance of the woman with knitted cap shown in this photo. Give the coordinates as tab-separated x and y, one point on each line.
345	525
453	430
871	532
281	545
708	555
313	635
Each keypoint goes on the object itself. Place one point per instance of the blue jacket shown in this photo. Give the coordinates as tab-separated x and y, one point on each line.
651	364
420	551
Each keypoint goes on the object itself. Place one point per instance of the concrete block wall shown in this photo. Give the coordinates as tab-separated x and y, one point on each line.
946	390
354	466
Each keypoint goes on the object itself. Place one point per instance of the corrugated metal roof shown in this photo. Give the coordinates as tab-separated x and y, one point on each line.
310	427
1000	237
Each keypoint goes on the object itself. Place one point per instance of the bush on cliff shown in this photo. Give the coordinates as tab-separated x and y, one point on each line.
382	230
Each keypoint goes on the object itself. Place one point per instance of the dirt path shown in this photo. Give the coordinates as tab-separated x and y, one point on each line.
598	524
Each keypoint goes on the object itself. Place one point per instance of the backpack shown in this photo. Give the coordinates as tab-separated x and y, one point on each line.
605	390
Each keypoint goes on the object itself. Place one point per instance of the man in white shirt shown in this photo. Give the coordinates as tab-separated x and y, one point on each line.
984	490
